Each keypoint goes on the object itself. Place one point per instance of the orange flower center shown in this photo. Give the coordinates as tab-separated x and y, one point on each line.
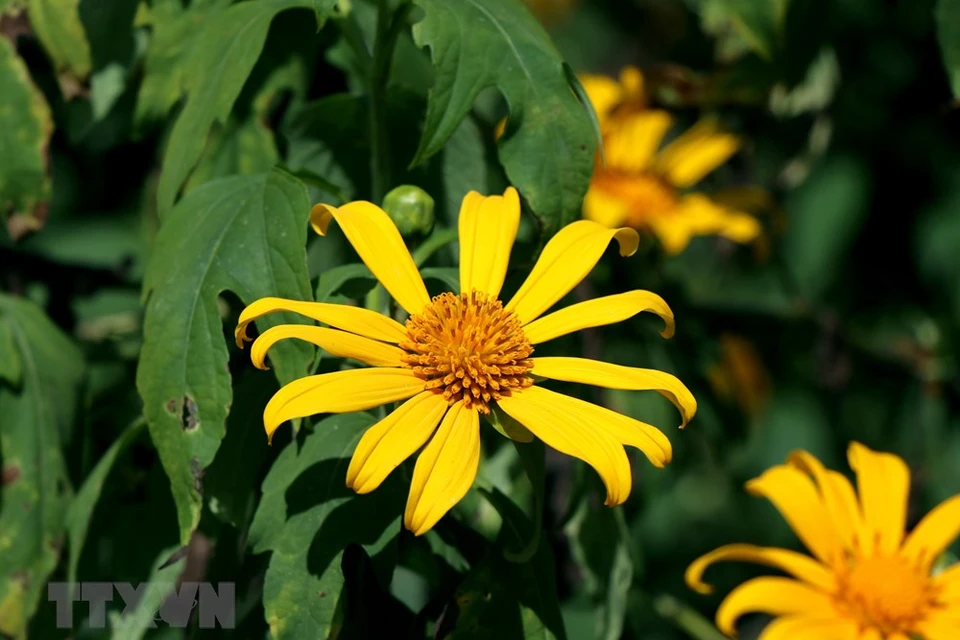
648	195
468	347
887	593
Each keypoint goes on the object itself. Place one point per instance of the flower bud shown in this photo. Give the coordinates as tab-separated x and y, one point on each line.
410	208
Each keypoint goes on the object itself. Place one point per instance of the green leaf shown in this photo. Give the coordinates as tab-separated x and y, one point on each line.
743	25
83	505
161	583
548	147
218	65
449	276
25	129
947	14
60	31
464	167
174	31
228	485
244	234
826	212
237	148
307	516
38	415
503	599
332	280
600	545
11	365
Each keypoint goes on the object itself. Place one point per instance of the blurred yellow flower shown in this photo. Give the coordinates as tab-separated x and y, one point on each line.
550	11
740	374
868	580
459	355
642	185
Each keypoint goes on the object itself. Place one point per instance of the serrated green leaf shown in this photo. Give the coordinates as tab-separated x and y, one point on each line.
60	31
174	30
38	416
244	234
307	516
548	147
947	14
218	66
83	505
25	129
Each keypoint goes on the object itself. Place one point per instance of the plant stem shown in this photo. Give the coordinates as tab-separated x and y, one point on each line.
686	618
388	30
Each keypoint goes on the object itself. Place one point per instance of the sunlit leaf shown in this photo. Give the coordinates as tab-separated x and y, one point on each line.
58	27
307	516
214	74
245	235
25	129
548	147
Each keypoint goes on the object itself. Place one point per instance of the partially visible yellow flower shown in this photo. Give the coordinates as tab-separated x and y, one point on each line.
642	185
740	374
868	581
460	354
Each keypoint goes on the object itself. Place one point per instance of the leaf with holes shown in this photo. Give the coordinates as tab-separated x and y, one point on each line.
25	129
548	147
216	69
307	516
244	234
38	410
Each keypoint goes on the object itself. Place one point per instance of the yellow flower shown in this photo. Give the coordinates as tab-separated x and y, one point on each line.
458	354
869	581
642	185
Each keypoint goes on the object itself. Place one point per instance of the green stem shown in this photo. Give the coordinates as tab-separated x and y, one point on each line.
686	618
388	30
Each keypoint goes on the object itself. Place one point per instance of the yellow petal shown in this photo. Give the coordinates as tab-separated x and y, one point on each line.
338	343
597	313
838	497
796	498
488	227
798	565
938	627
631	142
603	207
883	482
565	261
614	376
445	470
695	153
339	392
604	93
935	532
804	627
573	433
697	215
357	320
378	243
948	583
775	596
624	429
394	439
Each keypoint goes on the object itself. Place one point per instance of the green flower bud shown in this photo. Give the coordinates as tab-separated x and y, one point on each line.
410	208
